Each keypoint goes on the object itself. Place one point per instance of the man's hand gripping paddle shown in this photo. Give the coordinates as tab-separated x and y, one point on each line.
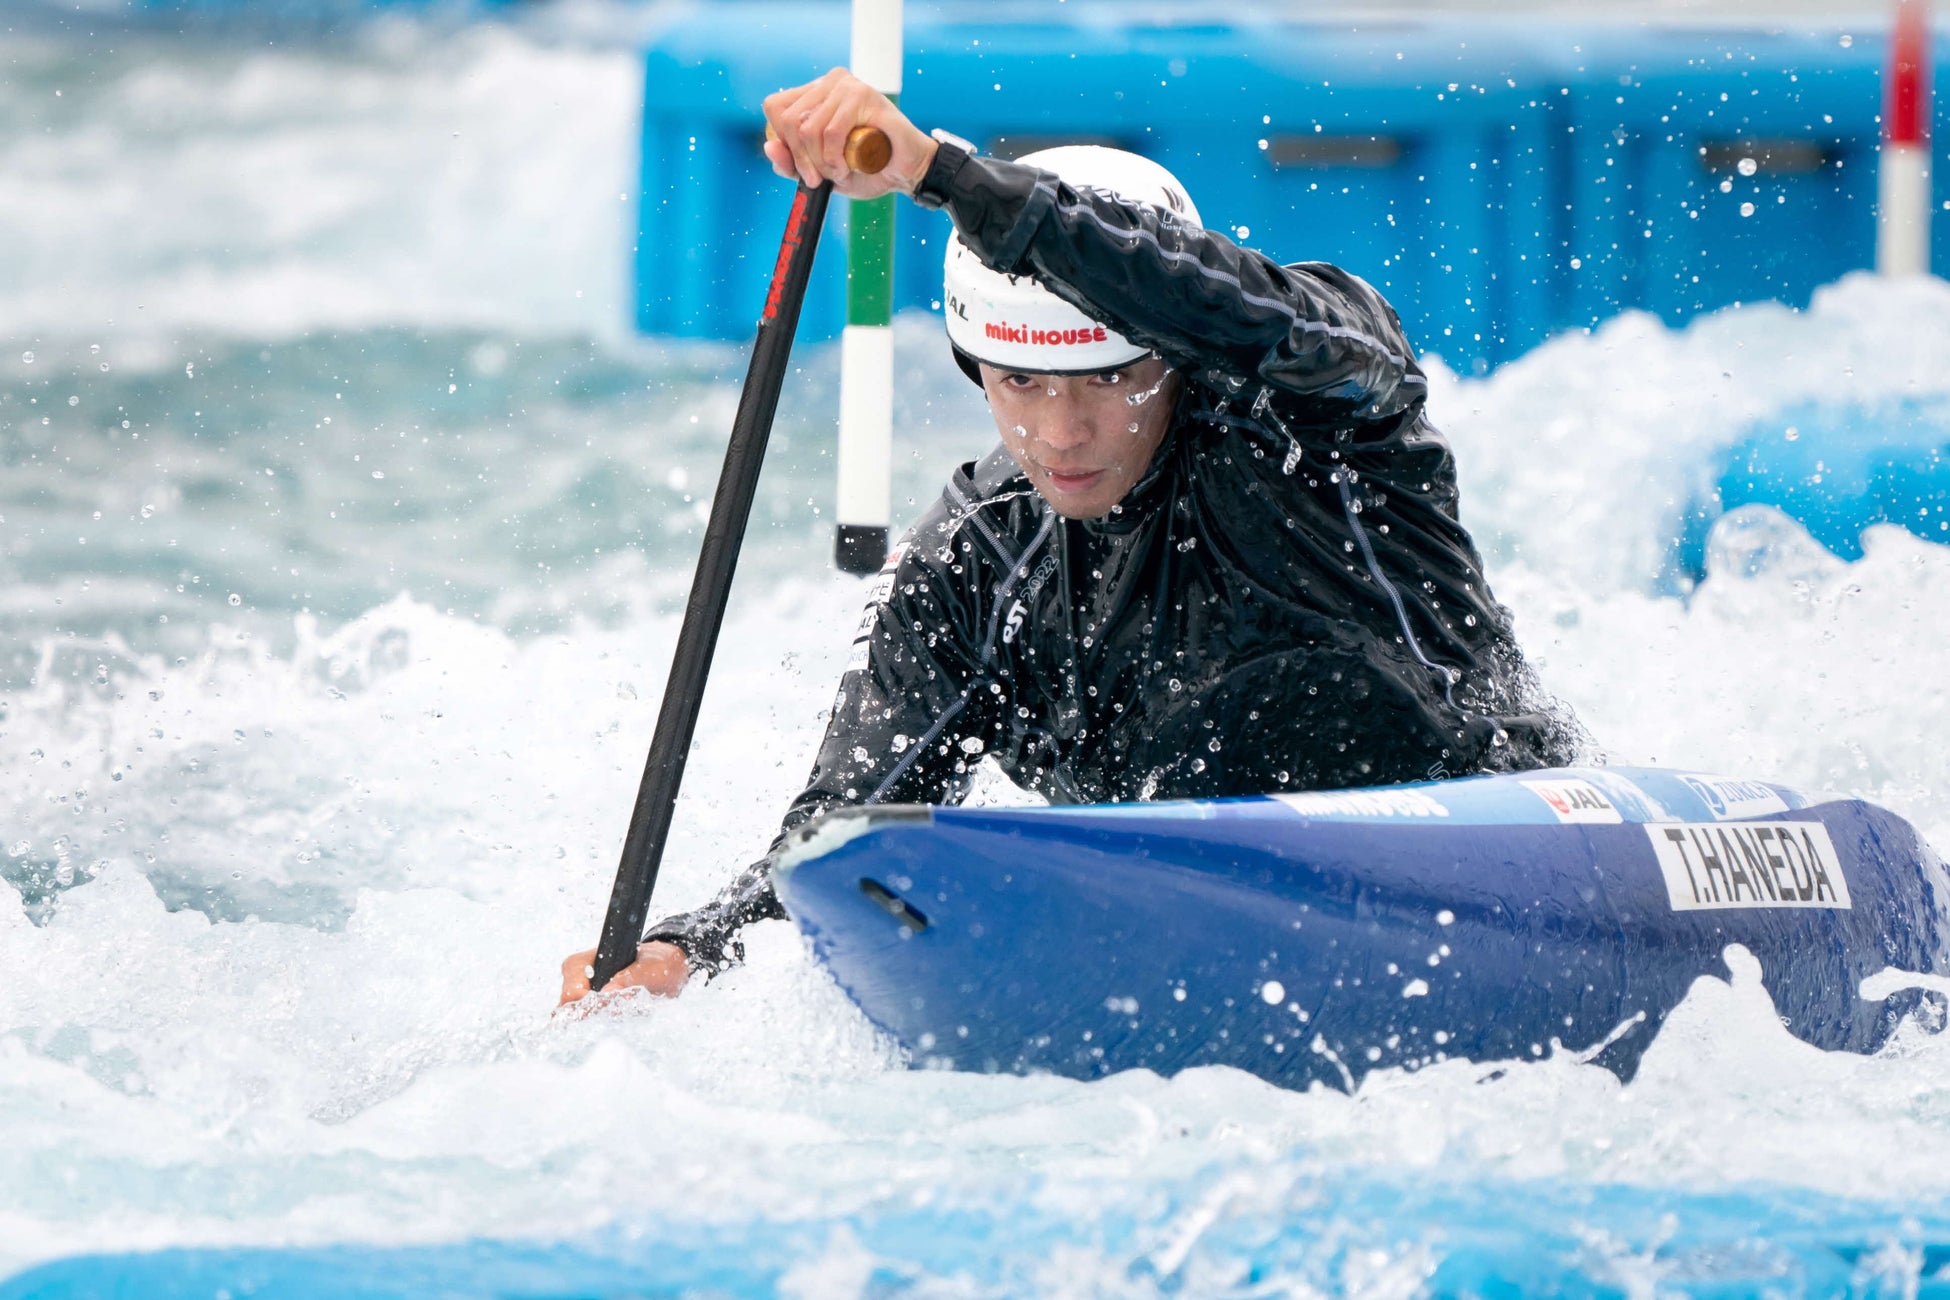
867	150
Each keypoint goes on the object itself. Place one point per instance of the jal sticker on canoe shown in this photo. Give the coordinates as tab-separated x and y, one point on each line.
883	587
1735	799
1575	801
1363	803
1758	864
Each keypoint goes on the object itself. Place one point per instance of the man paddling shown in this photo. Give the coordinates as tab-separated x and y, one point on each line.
1216	553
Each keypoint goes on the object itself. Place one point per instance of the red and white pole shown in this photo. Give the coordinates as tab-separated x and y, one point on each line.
1903	211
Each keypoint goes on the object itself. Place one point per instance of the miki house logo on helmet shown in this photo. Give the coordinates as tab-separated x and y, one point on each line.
1007	333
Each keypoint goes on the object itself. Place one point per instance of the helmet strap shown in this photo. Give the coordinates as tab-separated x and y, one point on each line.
969	366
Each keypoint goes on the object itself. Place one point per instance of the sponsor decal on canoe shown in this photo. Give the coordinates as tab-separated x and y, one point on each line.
1732	800
1364	803
1575	801
1753	864
883	587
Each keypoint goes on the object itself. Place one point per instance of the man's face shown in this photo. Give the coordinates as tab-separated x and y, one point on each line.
1083	440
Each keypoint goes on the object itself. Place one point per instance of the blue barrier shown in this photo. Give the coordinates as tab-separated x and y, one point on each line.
1836	470
1499	180
1708	170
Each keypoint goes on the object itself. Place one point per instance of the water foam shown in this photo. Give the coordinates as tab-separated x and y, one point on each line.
321	1012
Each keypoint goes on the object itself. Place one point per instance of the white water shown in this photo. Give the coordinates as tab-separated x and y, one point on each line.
158	184
295	872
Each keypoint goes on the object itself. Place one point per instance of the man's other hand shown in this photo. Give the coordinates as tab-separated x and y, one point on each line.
659	968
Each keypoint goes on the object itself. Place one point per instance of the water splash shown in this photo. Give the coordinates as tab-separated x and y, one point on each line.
1140	398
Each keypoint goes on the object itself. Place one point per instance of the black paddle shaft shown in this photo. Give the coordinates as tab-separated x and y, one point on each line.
731	507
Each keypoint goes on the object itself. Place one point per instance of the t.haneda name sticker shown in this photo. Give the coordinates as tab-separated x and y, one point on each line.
1575	801
1748	864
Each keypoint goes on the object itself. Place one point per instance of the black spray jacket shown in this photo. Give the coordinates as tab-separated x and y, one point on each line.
1285	601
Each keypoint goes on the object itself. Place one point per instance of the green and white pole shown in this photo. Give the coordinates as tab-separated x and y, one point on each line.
867	347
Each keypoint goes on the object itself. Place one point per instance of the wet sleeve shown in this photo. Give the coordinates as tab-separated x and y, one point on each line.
1191	294
910	704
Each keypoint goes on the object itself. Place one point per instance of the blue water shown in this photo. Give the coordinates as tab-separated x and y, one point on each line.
1277	1230
326	680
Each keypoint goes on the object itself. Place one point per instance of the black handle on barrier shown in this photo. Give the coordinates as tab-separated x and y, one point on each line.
656	799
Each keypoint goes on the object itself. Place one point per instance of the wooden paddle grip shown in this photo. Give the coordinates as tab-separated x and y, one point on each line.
868	150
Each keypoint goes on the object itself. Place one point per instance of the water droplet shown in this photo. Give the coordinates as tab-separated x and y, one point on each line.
1272	993
27	358
235	599
1746	209
73	400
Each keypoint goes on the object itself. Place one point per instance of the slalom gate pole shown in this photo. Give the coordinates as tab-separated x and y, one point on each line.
1903	170
643	847
866	443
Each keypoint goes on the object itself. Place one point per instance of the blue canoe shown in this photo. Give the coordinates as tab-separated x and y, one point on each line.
1319	936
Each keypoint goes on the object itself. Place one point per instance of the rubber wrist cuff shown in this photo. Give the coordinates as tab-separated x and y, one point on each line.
950	153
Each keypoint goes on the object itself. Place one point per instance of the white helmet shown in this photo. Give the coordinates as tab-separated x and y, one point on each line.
1012	321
